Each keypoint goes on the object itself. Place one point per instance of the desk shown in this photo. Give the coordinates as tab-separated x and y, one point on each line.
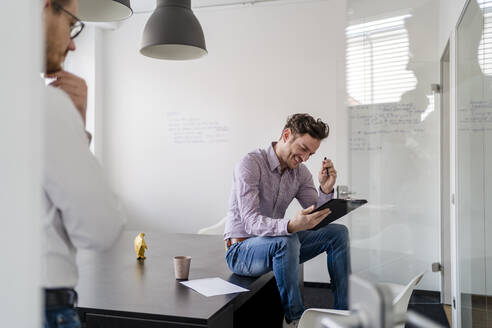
116	290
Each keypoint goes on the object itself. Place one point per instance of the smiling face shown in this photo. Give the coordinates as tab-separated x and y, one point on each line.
57	34
293	149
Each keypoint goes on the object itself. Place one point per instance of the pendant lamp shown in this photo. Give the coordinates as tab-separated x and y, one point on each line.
104	10
173	32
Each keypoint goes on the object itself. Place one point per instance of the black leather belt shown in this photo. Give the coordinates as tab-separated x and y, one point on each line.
60	298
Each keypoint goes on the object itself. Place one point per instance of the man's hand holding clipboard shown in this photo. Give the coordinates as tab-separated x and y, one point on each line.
338	208
309	218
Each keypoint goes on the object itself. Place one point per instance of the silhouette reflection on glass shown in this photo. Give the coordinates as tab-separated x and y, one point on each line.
394	138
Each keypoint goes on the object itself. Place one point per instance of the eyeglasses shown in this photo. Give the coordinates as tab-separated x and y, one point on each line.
76	27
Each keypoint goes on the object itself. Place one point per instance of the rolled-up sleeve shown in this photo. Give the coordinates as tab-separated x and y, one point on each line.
247	175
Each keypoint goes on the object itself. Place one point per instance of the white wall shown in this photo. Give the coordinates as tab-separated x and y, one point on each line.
20	100
264	63
83	63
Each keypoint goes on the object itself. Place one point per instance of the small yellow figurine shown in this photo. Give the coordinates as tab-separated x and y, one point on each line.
140	246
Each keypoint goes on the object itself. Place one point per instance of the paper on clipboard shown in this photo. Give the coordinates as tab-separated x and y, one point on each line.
213	286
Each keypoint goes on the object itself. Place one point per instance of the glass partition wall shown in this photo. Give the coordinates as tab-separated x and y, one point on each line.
393	140
474	162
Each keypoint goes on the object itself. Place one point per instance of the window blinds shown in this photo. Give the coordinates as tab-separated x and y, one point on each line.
377	57
485	47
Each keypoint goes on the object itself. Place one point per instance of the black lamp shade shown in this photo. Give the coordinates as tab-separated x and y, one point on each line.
104	10
173	32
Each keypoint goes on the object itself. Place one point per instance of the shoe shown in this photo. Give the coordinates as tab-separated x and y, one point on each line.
292	324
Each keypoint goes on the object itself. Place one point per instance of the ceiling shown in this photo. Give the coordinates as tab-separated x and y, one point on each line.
139	6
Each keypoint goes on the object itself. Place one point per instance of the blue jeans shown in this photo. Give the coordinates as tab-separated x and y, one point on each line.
61	318
258	255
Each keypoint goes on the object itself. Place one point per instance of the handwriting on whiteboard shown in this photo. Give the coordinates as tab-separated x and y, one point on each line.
475	117
371	125
188	129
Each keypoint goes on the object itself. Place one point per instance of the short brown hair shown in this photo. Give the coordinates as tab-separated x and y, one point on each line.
304	123
61	3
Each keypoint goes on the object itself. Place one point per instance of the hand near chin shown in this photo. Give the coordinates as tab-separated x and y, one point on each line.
74	86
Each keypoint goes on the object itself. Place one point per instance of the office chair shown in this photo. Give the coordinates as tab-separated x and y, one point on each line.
216	229
399	295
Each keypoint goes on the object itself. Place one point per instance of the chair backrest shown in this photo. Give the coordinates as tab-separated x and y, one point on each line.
216	229
314	317
400	302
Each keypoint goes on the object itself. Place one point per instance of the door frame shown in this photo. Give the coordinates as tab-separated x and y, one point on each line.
455	286
446	296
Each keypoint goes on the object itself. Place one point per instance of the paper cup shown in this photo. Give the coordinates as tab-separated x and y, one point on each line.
182	267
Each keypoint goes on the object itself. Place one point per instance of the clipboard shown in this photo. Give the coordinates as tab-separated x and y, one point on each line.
339	208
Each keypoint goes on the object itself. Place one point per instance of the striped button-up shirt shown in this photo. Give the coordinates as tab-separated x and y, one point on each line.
261	193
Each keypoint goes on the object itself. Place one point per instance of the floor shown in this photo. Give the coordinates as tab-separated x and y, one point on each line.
448	311
476	311
422	303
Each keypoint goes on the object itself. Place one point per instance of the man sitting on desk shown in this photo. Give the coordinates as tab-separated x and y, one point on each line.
258	236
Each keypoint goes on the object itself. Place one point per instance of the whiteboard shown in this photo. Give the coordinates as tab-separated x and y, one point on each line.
173	131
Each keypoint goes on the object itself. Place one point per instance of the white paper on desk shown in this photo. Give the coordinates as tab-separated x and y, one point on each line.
213	286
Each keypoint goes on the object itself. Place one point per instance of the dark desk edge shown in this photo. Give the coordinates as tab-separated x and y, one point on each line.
238	300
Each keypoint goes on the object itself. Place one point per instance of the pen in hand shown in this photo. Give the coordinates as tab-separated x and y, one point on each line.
327	173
